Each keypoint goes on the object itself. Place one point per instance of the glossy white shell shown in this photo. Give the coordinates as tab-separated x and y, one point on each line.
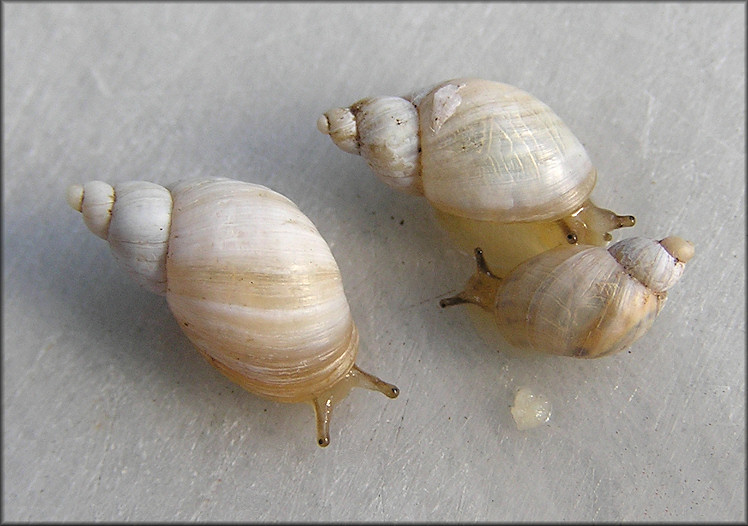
256	288
646	260
491	151
488	151
248	277
137	207
384	132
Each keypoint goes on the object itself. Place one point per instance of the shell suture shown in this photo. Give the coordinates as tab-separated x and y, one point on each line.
579	300
248	277
487	150
487	156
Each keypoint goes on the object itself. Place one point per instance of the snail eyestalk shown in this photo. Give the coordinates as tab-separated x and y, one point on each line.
480	289
591	225
324	403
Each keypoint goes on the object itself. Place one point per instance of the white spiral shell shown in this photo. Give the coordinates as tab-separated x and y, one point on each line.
248	277
485	155
492	152
475	148
140	207
583	301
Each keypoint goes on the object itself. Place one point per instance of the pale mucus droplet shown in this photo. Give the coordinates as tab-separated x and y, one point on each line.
530	409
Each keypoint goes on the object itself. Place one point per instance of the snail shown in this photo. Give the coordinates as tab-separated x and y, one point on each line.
499	166
247	276
580	300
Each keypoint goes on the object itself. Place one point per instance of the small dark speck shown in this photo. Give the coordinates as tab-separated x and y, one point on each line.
402	221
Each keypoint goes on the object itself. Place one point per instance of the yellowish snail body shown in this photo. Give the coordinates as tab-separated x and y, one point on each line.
248	277
501	169
580	300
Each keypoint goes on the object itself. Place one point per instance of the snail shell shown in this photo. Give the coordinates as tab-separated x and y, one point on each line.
248	277
580	300
484	154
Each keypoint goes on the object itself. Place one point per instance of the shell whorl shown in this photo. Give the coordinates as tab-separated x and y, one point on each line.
579	300
134	217
384	131
256	289
574	301
94	200
475	148
251	282
493	152
656	264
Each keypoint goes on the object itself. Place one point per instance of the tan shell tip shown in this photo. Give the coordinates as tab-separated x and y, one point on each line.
323	124
74	196
680	249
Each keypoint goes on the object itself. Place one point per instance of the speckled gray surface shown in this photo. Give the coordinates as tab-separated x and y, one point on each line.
109	414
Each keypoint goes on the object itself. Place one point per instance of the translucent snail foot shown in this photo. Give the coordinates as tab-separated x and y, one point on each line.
324	403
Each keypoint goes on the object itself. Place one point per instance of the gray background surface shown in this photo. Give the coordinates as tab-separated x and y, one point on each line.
109	414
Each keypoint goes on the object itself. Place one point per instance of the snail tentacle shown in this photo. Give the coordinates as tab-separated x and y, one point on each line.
592	225
480	289
325	402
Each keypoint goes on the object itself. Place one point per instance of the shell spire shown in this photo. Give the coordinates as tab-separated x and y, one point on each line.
475	148
251	282
135	218
498	165
657	264
579	300
94	200
384	131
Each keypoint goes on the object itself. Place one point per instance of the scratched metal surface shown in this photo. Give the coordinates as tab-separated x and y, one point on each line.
108	413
